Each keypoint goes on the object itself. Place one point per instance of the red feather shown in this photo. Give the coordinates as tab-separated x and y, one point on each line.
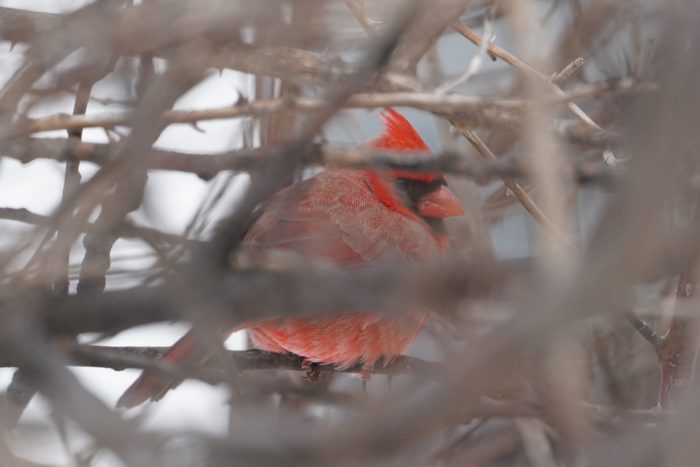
399	135
349	218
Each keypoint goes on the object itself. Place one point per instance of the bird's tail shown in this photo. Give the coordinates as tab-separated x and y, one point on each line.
152	386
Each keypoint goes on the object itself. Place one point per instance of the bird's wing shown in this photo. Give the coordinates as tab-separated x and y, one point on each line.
336	217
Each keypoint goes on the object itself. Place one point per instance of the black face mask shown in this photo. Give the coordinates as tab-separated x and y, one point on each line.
413	190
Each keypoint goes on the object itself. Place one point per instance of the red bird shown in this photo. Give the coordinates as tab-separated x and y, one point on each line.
348	218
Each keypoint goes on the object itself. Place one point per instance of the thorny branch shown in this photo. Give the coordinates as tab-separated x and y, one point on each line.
522	66
477	111
208	165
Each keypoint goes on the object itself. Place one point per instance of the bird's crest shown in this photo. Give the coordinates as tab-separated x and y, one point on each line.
399	134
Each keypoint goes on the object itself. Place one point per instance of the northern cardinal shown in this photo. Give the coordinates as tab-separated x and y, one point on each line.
348	218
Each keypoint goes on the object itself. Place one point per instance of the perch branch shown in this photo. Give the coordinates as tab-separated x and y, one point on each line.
119	358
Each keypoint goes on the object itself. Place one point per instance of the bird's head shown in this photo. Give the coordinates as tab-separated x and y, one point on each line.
425	194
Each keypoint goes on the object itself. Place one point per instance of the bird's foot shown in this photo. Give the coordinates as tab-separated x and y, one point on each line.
366	375
311	371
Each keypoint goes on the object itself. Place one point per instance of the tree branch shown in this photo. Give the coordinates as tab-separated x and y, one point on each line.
524	67
243	295
148	358
476	111
207	165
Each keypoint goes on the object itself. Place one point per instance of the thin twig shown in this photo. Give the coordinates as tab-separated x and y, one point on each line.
567	71
644	329
477	60
127	229
519	192
357	8
524	67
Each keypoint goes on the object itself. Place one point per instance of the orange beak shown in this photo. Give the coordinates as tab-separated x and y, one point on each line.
440	204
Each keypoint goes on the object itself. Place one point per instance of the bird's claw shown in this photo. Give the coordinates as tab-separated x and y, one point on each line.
311	371
366	375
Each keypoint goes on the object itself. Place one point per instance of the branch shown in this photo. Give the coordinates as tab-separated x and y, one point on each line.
208	165
644	329
518	191
127	229
291	64
148	358
524	67
244	295
476	111
145	30
23	26
677	349
43	369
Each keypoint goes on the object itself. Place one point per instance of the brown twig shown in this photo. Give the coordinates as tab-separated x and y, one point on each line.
519	192
560	77
524	67
645	330
126	197
19	393
677	348
127	229
358	10
477	110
